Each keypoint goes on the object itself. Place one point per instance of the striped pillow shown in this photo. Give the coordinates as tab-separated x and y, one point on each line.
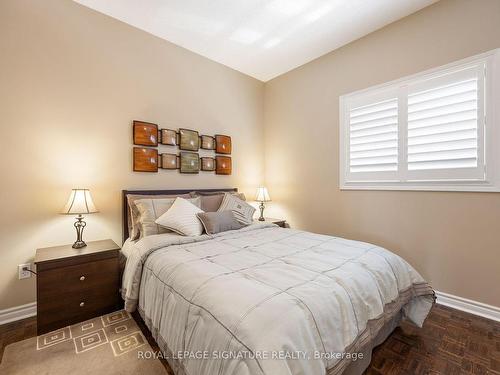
241	209
210	201
181	218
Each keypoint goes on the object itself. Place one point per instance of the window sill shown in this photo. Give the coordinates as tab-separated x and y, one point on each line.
479	187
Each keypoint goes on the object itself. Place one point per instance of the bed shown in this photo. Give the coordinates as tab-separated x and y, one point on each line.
268	300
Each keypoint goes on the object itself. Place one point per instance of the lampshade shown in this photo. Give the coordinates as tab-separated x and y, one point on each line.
79	202
262	195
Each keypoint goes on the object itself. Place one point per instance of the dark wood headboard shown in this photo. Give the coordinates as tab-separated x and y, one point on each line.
125	211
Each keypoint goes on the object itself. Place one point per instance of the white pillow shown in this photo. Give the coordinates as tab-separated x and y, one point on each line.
181	218
242	211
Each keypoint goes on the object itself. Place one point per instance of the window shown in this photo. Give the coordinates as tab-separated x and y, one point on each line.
438	130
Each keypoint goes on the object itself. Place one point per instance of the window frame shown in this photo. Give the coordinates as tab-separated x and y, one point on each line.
399	180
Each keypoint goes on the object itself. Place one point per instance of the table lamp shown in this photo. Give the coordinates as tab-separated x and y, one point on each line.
262	196
79	203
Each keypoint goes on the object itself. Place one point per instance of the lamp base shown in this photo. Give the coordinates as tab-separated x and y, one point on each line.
261	207
79	244
79	226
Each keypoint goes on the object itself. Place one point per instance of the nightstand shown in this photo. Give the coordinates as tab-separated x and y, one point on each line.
74	285
279	222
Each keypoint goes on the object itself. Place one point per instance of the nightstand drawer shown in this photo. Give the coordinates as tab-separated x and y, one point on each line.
75	307
102	274
73	304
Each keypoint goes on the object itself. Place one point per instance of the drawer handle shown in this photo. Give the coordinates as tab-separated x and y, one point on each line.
82	304
82	278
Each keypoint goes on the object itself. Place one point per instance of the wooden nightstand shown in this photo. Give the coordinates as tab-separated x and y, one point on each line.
74	285
279	222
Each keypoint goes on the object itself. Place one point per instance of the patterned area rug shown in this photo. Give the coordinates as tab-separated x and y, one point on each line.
109	344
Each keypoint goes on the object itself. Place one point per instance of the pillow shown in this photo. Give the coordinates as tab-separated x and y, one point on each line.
210	201
216	222
134	214
181	218
152	209
242	210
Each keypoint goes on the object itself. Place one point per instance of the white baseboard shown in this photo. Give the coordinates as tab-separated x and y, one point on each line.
467	305
17	313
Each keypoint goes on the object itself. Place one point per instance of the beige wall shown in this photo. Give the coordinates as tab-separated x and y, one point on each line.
71	82
453	239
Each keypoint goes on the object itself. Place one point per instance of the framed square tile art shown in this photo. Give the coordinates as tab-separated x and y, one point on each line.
189	140
168	137
222	144
145	133
145	159
190	162
169	161
223	165
207	164
207	142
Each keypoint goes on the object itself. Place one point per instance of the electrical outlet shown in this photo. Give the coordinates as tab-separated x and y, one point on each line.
24	271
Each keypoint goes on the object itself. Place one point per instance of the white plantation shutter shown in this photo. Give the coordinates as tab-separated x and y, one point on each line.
445	120
373	137
436	129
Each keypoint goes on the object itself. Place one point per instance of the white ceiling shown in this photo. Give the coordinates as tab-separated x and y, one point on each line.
262	38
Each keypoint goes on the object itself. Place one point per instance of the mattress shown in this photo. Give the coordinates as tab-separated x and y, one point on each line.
267	300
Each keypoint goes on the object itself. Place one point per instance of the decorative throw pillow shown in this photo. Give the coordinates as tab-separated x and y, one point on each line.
181	218
241	209
152	209
210	201
134	214
216	222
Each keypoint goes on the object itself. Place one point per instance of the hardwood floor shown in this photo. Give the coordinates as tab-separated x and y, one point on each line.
16	331
451	342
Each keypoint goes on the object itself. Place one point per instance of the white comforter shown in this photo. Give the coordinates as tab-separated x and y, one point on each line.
275	301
